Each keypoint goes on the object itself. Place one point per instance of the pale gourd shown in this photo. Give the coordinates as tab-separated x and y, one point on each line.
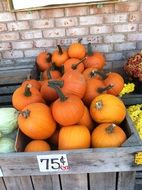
7	145
8	120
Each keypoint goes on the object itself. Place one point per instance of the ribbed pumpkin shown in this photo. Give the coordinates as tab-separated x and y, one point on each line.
37	146
107	108
25	96
32	82
107	135
36	121
74	137
43	61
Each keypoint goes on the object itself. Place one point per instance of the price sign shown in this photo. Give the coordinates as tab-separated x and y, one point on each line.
53	162
138	158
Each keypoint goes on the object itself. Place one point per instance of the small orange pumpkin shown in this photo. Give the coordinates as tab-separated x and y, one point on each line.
43	61
32	82
37	146
107	135
107	108
36	121
74	137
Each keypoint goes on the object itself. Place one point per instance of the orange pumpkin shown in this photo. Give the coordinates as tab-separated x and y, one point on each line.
43	61
59	56
107	135
32	82
74	137
37	146
107	108
94	59
36	121
25	96
77	50
54	138
116	81
51	74
86	119
93	73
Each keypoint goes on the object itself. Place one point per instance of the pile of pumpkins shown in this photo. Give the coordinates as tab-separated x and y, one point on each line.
74	105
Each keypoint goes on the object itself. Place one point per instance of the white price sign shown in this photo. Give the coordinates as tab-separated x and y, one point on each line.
53	162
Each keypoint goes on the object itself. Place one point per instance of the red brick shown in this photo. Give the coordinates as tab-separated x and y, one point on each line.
31	34
93	39
29	15
66	41
66	22
106	9
5	46
125	46
135	17
12	54
22	45
3	27
77	31
114	38
100	29
44	43
9	36
116	18
5	5
126	7
76	11
13	26
125	28
45	14
48	23
90	20
56	33
32	52
7	16
104	48
114	56
135	37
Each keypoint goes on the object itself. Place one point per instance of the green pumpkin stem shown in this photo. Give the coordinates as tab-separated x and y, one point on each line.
59	92
79	40
58	83
26	113
60	50
93	73
49	74
101	90
27	91
110	128
74	66
49	57
90	50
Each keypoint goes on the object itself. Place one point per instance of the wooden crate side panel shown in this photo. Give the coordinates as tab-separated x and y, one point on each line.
102	181
126	180
2	185
50	182
74	182
18	183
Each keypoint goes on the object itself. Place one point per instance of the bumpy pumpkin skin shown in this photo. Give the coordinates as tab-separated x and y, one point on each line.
39	124
102	138
37	146
107	108
74	137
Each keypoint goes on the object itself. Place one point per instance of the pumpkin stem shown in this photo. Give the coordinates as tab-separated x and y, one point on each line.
79	40
110	128
49	74
74	66
26	113
49	57
93	73
60	50
59	92
27	91
99	105
90	50
101	90
56	83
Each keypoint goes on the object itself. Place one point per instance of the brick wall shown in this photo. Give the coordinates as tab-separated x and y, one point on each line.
115	29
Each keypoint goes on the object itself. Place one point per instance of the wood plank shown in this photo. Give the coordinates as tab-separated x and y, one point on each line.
74	182
102	181
2	186
126	180
132	99
50	182
18	183
138	187
8	89
93	160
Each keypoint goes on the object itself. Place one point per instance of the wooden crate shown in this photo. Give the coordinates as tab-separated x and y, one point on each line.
89	169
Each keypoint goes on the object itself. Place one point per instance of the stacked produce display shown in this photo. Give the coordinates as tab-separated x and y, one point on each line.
74	105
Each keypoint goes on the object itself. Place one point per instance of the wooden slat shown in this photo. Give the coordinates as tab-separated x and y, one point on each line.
8	89
126	181
80	161
18	183
74	182
102	181
132	99
50	182
2	186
